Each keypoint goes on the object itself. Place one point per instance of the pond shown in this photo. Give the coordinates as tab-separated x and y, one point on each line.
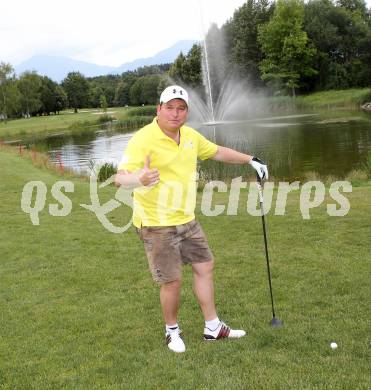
328	143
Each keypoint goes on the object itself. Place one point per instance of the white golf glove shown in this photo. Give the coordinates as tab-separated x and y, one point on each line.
260	167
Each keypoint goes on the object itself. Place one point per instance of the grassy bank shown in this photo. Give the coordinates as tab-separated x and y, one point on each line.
349	99
79	309
67	121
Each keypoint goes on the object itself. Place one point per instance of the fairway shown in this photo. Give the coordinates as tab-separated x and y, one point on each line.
44	125
79	309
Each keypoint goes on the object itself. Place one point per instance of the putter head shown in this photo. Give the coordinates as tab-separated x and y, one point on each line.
276	323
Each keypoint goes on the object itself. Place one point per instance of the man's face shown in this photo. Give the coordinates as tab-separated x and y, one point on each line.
172	115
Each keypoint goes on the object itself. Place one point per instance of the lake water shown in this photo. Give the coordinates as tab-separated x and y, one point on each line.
329	143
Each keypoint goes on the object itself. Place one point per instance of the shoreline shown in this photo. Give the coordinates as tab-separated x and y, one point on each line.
86	119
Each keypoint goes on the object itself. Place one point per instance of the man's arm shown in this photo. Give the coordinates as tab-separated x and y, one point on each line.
127	179
144	177
231	156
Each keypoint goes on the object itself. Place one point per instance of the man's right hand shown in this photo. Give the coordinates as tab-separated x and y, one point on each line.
149	177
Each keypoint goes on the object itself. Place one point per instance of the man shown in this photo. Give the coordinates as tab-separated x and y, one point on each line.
160	163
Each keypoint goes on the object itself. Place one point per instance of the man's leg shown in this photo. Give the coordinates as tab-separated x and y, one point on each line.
204	290
169	298
203	284
164	259
196	251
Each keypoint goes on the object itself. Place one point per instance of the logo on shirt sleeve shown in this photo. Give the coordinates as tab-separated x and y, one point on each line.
125	159
188	144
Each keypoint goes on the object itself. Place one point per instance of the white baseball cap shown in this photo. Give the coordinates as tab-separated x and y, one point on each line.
173	92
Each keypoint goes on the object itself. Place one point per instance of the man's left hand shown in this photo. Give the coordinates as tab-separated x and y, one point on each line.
260	167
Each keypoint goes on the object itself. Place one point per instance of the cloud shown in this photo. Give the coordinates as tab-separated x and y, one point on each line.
107	33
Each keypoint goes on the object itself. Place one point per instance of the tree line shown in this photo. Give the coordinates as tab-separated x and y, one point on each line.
31	94
287	46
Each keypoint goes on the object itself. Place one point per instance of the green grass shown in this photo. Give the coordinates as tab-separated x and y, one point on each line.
338	98
79	310
142	111
333	99
57	123
85	120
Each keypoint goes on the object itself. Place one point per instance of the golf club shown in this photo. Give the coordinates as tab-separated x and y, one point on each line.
275	322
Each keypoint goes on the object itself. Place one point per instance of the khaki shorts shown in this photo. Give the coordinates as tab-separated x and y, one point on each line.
168	247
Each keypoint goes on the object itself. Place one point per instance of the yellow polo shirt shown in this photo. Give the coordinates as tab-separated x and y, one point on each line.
173	200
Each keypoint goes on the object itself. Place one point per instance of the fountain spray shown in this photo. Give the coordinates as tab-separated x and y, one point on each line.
207	72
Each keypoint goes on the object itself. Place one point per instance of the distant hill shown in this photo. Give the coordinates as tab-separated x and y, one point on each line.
57	67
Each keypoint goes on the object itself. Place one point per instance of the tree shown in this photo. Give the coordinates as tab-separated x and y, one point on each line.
187	69
77	89
96	91
9	94
176	70
121	94
122	90
192	70
128	78
136	92
289	55
242	34
144	90
47	96
342	35
29	85
149	93
103	85
354	6
61	99
149	70
103	103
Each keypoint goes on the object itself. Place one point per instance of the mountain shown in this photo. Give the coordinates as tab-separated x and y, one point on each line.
163	57
57	67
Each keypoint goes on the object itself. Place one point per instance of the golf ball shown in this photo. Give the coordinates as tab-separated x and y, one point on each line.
333	345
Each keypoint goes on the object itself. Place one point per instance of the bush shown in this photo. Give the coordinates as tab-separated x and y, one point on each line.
133	122
365	97
311	176
356	177
80	124
106	171
367	165
142	111
105	118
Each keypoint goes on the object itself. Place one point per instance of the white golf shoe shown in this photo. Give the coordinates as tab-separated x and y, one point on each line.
222	331
174	340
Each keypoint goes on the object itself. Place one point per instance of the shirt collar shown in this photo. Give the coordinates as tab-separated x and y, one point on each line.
160	134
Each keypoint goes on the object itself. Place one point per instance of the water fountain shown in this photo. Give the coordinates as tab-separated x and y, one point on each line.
226	98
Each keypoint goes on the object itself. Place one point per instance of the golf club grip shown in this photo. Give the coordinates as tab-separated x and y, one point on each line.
260	191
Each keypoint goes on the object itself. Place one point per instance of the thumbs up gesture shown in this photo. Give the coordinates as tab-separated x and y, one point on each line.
149	177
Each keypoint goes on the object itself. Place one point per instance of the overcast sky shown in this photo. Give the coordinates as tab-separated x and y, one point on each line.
105	32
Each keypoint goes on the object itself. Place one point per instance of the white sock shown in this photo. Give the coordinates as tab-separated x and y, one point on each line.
171	328
212	324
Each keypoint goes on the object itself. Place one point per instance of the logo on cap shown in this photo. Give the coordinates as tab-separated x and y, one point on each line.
173	92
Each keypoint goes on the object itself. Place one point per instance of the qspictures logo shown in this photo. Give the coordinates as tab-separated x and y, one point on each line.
312	195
